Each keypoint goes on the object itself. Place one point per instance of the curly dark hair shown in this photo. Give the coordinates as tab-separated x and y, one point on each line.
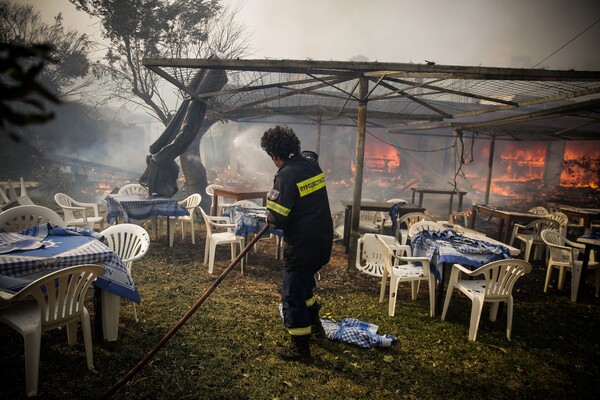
280	141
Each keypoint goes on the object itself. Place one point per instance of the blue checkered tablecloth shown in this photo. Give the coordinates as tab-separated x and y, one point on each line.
135	207
18	268
451	247
250	220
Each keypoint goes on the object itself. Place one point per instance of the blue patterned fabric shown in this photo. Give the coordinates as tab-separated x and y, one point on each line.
451	247
62	248
135	207
15	241
592	235
356	332
250	220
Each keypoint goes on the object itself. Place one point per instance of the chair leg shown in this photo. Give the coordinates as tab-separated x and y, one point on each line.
476	310
72	333
211	261
384	280
393	295
192	232
135	316
32	339
494	311
87	338
449	291
414	289
548	276
527	251
206	250
597	279
509	317
432	296
561	277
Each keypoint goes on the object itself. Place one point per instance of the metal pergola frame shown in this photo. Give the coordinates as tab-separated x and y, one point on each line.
401	98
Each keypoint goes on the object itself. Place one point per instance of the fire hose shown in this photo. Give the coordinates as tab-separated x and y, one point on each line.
112	390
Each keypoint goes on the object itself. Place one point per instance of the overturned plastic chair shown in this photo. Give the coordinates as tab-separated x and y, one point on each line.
499	278
77	213
369	254
130	242
58	301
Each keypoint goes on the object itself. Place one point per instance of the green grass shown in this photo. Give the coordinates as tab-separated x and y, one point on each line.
225	350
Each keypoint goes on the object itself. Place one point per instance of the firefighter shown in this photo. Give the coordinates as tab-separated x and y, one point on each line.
298	205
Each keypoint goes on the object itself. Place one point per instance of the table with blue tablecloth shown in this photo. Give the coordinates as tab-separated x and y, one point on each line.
136	207
447	247
59	248
130	207
250	220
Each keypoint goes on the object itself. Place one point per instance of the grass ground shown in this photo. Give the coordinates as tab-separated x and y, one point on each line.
225	350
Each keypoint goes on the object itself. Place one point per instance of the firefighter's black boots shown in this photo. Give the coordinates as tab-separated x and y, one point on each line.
299	350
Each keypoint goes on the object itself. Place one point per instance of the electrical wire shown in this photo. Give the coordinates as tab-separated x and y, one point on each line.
407	149
564	45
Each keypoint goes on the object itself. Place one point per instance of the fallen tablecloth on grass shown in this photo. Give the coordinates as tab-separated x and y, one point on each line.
359	333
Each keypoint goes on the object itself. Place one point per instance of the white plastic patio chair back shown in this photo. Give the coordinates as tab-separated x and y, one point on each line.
405	222
369	258
400	266
562	219
424	226
215	238
563	255
530	235
77	213
499	278
223	204
133	189
190	203
130	242
371	221
59	301
538	210
22	217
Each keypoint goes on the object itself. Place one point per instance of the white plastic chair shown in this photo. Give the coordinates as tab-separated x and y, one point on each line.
420	226
214	238
562	219
22	217
563	255
76	213
369	259
223	204
408	220
400	266
190	203
58	301
530	235
499	278
130	242
133	189
539	210
371	221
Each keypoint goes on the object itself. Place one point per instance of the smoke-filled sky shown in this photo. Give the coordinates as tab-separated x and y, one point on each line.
495	33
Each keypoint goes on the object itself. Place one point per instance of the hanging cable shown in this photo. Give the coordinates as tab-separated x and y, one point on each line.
404	148
564	45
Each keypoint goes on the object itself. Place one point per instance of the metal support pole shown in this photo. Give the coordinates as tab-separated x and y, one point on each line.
490	167
318	138
358	170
